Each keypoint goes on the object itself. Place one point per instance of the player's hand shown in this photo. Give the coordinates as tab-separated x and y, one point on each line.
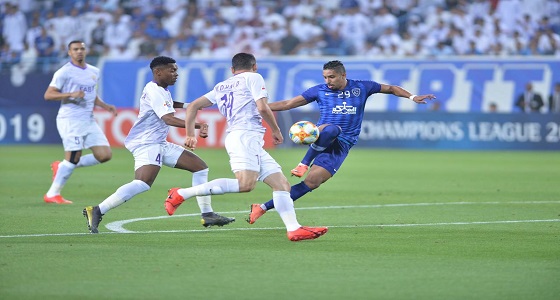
203	131
421	99
277	138
78	95
112	109
190	143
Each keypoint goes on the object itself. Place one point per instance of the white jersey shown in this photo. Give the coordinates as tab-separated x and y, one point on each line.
150	128
71	78
236	98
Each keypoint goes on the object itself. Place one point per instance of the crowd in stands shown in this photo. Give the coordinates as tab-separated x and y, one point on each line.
38	31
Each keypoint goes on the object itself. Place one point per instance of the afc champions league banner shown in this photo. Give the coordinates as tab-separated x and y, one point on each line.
446	131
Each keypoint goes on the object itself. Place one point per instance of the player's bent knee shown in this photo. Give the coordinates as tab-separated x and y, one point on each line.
104	157
333	130
312	184
245	188
285	186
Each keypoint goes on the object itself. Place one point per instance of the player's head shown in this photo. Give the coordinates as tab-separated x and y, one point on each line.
164	70
243	62
334	74
77	51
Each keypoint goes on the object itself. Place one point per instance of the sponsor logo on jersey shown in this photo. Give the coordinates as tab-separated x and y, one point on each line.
87	89
344	110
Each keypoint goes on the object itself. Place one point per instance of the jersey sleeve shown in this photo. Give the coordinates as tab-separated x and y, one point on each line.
160	101
372	87
311	94
211	95
257	87
58	79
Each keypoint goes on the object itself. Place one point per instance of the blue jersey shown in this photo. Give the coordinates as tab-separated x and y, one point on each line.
344	108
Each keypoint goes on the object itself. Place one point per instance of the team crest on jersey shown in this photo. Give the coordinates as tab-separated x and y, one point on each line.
356	92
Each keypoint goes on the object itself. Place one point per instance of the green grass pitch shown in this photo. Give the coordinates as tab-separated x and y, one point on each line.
403	225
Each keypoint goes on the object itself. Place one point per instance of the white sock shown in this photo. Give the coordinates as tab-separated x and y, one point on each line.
204	202
65	169
284	205
123	194
215	187
87	160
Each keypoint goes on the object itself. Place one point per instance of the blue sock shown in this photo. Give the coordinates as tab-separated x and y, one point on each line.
296	192
326	137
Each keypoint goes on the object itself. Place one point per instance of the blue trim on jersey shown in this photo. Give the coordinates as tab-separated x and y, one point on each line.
344	108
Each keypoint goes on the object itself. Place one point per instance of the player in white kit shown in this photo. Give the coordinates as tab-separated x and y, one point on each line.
75	86
147	142
243	100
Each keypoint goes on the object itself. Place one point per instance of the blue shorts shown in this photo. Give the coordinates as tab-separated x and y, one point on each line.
332	158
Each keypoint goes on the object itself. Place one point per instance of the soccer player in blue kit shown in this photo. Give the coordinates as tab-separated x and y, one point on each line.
341	105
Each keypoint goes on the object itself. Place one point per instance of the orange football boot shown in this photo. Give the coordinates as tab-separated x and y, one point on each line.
256	212
300	170
306	233
173	201
56	199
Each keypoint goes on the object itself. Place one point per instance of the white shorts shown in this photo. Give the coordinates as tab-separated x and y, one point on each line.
157	154
246	152
80	134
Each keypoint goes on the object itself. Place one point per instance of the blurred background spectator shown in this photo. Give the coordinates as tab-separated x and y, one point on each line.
529	101
554	100
129	29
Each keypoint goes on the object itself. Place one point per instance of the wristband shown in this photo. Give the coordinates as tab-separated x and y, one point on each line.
185	105
412	97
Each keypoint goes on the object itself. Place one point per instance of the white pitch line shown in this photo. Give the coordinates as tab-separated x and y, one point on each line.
279	228
117	226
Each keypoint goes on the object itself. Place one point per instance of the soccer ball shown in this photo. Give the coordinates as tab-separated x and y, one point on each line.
304	132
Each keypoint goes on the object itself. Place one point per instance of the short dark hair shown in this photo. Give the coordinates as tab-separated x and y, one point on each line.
335	65
161	61
75	42
243	61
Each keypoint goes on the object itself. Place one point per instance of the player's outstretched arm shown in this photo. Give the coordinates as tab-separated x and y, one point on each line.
297	101
400	92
